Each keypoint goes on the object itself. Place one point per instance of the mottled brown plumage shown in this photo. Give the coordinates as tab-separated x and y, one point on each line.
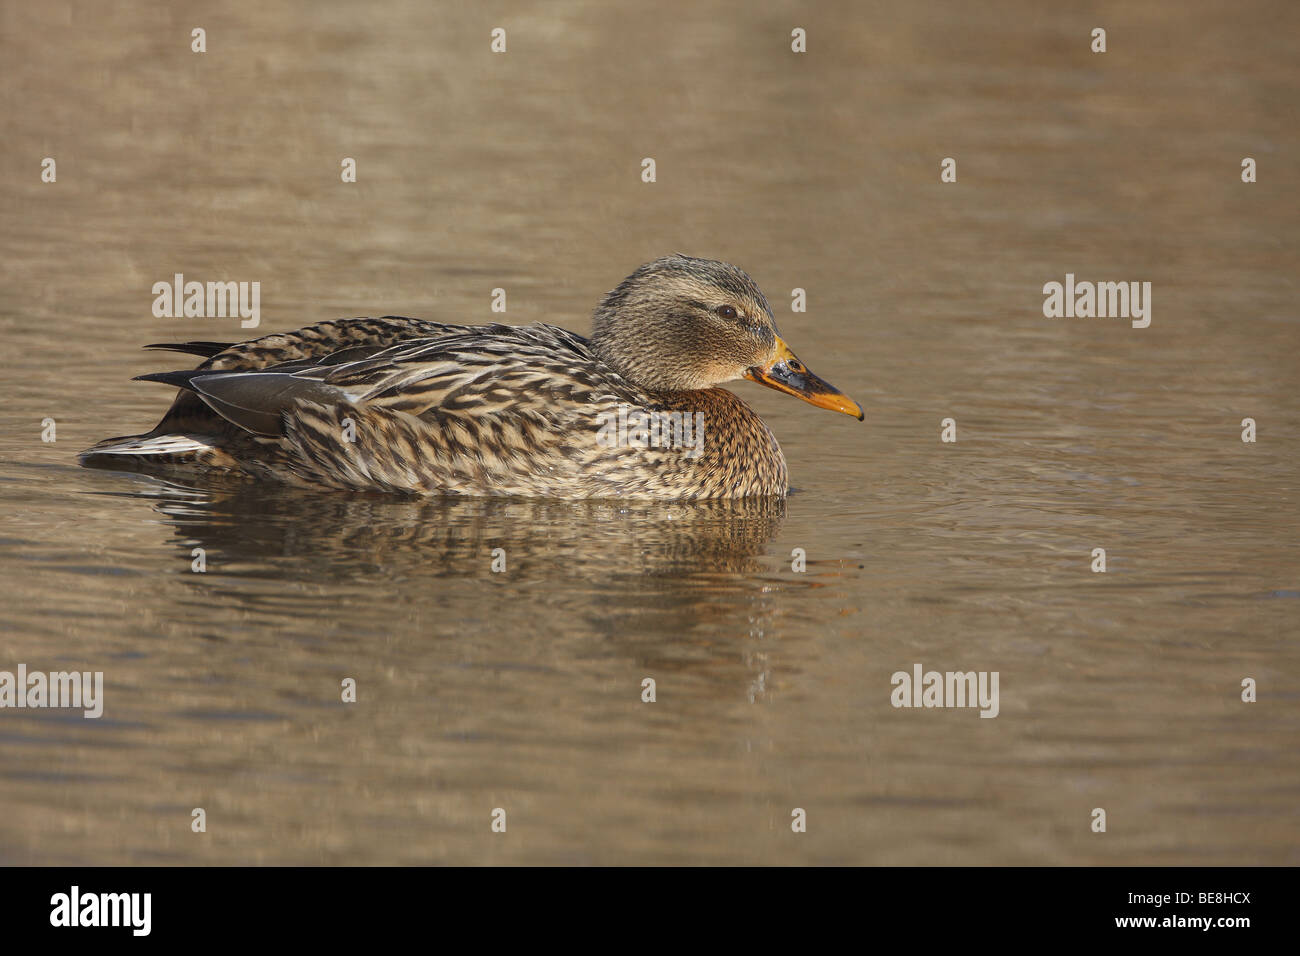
405	405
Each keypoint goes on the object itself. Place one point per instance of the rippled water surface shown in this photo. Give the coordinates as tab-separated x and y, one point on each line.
522	690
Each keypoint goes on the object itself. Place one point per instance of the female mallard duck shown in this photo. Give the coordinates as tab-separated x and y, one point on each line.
405	405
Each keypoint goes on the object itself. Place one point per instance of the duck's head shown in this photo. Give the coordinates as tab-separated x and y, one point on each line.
678	324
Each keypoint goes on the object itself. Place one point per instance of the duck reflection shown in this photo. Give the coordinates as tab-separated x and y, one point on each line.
341	533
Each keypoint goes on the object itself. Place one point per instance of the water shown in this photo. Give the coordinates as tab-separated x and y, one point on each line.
522	690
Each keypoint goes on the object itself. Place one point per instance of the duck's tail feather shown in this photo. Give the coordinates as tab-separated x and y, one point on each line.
180	379
206	349
151	452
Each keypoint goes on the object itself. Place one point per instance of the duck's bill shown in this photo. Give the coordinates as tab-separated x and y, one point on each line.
787	374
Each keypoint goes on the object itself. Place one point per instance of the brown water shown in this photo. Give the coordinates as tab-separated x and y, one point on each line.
521	690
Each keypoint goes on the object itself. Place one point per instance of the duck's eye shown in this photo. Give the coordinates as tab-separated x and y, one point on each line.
726	312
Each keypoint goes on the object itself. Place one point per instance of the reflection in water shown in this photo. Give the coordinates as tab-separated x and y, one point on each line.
337	533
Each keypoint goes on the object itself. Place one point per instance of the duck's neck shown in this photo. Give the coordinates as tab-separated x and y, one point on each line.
739	452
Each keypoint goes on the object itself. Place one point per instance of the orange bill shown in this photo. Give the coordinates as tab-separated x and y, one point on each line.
787	374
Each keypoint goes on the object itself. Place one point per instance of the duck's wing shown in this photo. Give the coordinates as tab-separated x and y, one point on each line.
313	342
484	371
530	373
333	340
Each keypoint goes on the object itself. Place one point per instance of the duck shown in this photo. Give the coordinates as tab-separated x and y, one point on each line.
412	406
